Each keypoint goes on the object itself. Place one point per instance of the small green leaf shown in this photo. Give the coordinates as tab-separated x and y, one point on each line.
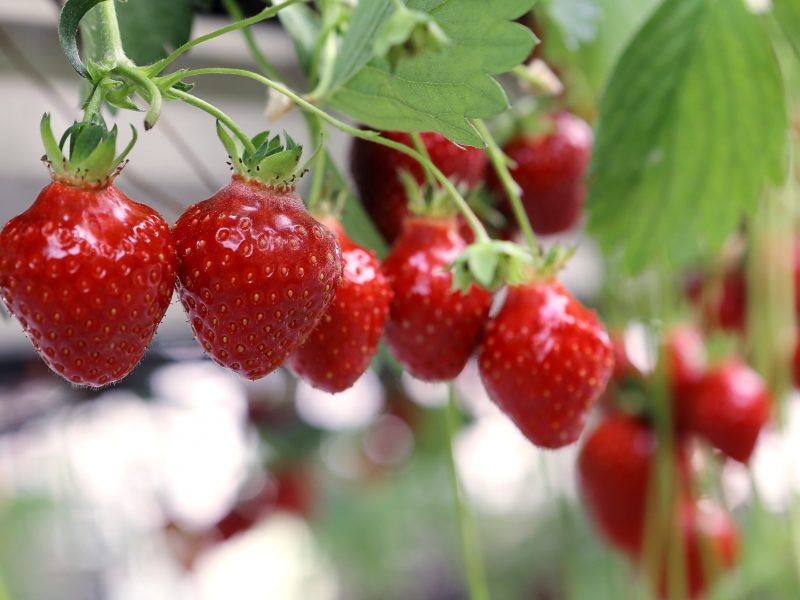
96	164
439	91
51	148
281	165
84	142
483	265
692	126
231	147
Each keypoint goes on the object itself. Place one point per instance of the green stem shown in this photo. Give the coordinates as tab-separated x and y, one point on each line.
144	82
470	547
316	129
93	103
111	51
267	13
475	224
232	6
218	114
416	139
509	185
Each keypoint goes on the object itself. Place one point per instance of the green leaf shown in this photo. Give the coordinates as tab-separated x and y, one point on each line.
151	29
692	126
787	13
302	25
71	15
358	45
439	91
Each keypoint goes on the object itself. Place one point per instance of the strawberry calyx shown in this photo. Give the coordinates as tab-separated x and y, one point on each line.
273	163
496	263
92	161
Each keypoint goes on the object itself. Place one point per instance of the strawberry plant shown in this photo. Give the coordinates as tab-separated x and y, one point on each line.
662	130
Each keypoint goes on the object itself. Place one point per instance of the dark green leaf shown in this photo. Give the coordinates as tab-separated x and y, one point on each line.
692	126
438	91
71	15
151	29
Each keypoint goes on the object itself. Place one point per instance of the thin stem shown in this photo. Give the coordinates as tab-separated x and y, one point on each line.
153	93
509	185
112	52
218	114
475	224
93	103
267	13
416	139
470	547
316	130
232	6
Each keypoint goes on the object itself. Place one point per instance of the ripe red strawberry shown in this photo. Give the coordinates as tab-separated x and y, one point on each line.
545	360
87	272
340	349
550	168
729	406
376	170
724	306
432	329
796	363
685	355
711	547
614	472
256	273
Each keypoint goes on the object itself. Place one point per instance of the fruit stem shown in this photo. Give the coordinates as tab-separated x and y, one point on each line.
267	13
317	132
475	224
416	139
470	547
111	51
93	103
499	162
235	12
220	116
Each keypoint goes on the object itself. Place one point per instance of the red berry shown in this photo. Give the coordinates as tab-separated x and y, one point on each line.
545	360
711	547
376	170
796	362
340	349
623	367
729	406
722	306
256	273
89	274
550	170
614	472
685	355
432	330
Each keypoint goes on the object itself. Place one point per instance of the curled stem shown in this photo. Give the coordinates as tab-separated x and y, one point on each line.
510	187
145	83
218	114
475	224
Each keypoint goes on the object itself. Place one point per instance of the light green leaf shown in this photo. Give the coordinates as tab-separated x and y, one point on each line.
302	25
787	13
439	91
358	44
692	126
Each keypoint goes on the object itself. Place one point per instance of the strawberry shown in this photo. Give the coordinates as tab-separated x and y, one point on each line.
685	356
340	349
711	547
376	171
432	329
550	167
256	272
614	472
796	362
729	406
88	272
545	360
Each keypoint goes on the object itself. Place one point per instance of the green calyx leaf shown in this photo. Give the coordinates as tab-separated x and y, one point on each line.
492	265
91	159
408	33
272	163
424	200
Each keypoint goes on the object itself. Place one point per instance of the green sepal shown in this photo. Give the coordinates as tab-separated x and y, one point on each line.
492	265
424	200
273	163
91	148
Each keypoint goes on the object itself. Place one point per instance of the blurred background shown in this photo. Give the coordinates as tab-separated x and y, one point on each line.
186	482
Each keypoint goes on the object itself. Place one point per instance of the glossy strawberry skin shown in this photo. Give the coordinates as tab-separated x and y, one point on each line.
729	406
550	170
256	273
614	472
375	169
89	274
340	349
545	360
432	329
